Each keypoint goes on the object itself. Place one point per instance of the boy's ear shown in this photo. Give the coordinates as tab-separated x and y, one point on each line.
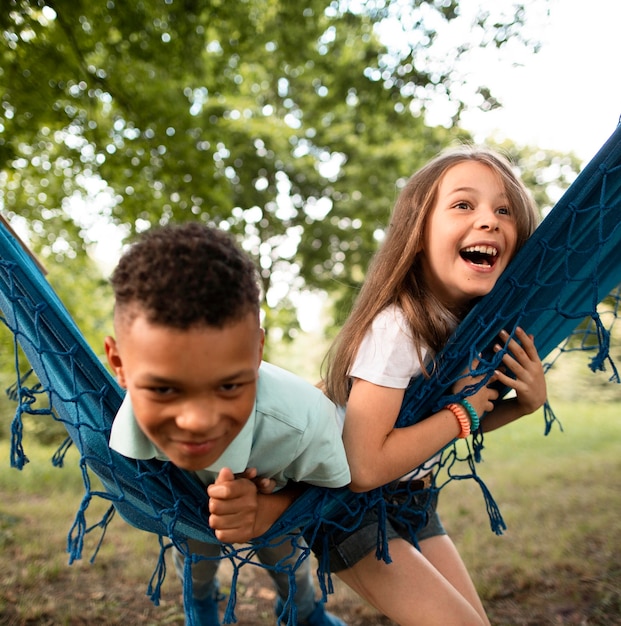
114	359
261	344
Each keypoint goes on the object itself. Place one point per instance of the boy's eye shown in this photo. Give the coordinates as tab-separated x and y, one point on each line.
230	387
162	391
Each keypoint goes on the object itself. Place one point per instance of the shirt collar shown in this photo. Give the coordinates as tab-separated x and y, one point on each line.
237	455
127	438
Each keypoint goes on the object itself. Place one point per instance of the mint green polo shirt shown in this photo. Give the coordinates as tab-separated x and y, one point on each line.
293	433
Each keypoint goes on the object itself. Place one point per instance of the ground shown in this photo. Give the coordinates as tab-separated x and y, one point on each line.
557	564
100	594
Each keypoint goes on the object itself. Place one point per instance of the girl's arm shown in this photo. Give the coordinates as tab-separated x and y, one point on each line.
528	381
379	453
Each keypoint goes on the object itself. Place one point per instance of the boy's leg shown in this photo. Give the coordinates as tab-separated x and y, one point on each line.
205	587
309	610
410	590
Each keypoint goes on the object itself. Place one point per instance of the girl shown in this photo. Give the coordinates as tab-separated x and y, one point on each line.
454	229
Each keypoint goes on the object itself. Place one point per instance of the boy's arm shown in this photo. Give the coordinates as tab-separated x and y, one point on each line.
239	511
272	506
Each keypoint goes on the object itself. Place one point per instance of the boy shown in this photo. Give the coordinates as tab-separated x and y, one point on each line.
188	349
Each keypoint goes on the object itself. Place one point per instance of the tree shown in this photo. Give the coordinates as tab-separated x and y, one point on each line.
547	173
286	123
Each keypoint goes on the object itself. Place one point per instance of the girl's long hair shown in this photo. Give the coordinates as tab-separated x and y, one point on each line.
395	274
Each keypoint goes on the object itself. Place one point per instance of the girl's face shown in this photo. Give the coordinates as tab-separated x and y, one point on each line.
470	235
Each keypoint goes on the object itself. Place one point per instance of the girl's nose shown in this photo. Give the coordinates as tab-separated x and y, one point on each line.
487	220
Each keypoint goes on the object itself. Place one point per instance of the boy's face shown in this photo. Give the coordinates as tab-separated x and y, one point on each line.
193	390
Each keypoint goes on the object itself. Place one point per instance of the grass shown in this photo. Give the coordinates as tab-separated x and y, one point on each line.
557	563
559	496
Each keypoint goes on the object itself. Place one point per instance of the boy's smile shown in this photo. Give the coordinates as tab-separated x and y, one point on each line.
193	390
470	236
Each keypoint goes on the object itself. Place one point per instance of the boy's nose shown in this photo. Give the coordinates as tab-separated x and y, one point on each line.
198	417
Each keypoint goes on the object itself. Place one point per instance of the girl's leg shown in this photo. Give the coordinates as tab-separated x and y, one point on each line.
410	590
441	552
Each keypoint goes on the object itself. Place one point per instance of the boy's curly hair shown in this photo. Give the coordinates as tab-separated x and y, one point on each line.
186	275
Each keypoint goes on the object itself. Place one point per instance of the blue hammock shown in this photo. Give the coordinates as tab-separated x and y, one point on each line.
570	264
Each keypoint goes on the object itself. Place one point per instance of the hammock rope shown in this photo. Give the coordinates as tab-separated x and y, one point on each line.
567	268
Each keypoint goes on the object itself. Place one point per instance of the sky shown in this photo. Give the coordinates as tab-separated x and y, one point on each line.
567	97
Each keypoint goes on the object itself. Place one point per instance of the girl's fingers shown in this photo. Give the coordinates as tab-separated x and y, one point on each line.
526	343
523	351
507	380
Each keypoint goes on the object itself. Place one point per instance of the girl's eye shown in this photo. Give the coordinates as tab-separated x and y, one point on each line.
462	205
503	210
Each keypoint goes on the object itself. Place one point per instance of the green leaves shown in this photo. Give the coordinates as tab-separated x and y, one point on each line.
290	124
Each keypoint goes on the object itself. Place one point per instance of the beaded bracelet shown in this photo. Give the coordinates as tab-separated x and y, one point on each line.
474	417
462	417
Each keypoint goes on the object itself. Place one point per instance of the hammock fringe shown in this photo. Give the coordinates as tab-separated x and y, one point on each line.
598	362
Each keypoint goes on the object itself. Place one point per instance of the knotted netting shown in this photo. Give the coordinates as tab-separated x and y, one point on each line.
555	288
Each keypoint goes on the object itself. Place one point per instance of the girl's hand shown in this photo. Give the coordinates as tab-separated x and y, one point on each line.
482	401
523	361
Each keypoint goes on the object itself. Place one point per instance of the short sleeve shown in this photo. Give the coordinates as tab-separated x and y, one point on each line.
321	459
387	355
297	434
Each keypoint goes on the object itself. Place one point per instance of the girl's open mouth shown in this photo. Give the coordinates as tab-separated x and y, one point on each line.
480	255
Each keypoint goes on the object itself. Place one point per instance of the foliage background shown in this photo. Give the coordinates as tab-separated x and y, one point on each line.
292	125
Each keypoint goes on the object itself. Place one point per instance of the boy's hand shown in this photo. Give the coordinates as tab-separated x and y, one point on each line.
263	485
523	361
233	507
243	507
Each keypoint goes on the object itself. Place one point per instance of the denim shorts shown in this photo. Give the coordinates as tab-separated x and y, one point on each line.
419	521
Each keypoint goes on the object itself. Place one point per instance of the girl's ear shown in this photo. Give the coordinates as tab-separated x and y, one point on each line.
114	359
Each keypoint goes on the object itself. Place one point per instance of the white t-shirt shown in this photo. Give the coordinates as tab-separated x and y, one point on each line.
387	357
